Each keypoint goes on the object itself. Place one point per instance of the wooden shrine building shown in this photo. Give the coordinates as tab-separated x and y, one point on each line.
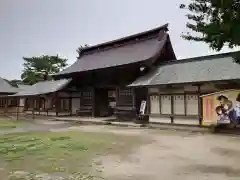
102	73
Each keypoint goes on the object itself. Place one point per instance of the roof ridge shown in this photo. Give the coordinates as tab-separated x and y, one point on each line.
124	44
112	44
200	58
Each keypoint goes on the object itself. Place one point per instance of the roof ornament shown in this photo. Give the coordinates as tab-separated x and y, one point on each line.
79	51
161	34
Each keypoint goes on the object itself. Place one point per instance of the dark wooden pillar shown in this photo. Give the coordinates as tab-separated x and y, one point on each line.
93	102
18	102
39	104
172	109
133	97
70	103
33	109
185	104
47	98
160	103
117	96
199	104
148	104
57	103
5	101
44	104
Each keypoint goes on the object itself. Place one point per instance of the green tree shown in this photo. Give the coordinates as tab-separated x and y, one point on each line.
42	67
13	82
216	22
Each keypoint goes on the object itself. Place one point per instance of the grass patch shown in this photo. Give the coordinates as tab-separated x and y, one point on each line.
6	123
51	152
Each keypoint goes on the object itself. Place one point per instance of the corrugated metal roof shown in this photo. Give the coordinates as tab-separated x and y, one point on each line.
43	87
201	69
5	87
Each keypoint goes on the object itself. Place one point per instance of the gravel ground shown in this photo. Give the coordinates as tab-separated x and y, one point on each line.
168	155
171	155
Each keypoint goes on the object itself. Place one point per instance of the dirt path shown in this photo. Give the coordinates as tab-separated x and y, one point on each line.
173	155
167	155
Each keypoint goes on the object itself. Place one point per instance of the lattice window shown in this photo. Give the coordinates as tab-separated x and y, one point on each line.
87	95
125	92
125	97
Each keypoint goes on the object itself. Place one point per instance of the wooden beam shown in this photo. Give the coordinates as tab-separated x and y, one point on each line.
57	104
172	109
39	104
17	115
70	101
93	102
117	96
199	105
33	112
133	97
185	104
160	102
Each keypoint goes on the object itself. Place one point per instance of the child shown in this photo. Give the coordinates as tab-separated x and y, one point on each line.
223	117
228	109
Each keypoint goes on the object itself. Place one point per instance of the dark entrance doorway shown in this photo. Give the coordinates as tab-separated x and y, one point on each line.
105	102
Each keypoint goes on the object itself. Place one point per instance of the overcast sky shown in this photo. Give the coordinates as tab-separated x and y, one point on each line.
36	27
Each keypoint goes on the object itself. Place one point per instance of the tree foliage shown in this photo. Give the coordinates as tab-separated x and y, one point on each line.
13	82
217	22
42	67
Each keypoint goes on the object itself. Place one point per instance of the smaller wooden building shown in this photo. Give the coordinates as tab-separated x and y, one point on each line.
175	88
45	98
7	105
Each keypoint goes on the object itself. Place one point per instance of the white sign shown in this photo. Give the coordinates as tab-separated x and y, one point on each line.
142	107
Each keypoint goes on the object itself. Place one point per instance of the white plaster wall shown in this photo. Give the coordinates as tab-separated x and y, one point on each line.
165	104
154	104
186	121
192	104
178	104
21	102
75	105
166	120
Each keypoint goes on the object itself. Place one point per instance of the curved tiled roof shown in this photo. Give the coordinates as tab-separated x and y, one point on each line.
128	50
201	69
5	87
43	87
